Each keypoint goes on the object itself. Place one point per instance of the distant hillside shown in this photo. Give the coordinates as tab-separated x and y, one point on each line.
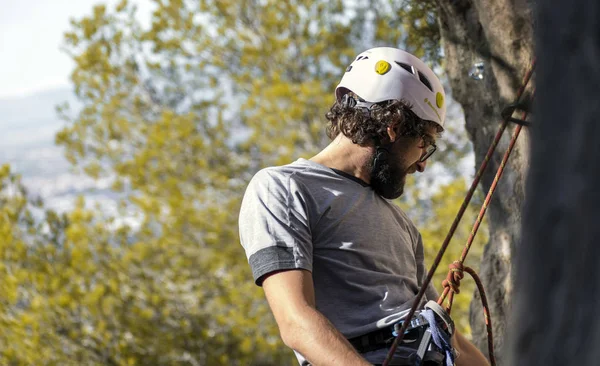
27	129
28	126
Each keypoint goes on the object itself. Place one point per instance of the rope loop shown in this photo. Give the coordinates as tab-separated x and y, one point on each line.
455	274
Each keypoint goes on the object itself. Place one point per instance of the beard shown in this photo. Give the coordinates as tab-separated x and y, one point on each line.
388	175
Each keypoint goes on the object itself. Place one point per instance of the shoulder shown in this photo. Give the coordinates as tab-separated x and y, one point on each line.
276	182
278	191
276	174
298	176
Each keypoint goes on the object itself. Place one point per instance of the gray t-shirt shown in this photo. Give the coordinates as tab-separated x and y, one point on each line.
365	255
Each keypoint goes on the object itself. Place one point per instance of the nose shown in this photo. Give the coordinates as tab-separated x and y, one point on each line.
421	166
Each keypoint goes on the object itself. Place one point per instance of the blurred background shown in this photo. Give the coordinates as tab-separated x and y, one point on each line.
128	132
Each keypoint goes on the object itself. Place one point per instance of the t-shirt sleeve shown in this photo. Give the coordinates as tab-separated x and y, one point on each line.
431	293
273	224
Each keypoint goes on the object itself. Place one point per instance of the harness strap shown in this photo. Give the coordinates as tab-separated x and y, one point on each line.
377	339
440	338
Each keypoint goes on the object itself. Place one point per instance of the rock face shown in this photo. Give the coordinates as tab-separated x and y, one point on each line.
556	298
497	33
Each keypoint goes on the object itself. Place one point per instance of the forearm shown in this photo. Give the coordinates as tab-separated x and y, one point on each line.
318	341
469	355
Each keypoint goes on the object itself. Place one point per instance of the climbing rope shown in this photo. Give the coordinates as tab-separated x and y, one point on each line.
452	282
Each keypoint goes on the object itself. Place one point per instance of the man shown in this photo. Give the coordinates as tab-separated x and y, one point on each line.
339	262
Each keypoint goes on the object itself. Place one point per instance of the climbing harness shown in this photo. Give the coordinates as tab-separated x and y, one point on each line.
452	282
427	338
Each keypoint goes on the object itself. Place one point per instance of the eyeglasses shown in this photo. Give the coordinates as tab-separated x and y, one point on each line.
429	150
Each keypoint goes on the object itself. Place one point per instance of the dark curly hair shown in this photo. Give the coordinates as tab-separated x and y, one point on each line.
365	127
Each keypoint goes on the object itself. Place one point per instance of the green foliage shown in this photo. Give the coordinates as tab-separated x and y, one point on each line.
180	115
421	30
99	297
271	65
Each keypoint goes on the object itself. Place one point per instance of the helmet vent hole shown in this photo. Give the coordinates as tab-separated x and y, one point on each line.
362	58
405	67
425	81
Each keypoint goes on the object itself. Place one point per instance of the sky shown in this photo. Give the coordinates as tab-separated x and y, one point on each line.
34	78
31	34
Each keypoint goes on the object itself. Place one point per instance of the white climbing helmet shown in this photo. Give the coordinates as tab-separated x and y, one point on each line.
386	73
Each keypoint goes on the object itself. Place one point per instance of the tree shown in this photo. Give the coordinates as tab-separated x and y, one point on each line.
557	263
167	98
499	33
78	292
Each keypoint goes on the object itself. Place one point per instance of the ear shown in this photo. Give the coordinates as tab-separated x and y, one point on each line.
391	130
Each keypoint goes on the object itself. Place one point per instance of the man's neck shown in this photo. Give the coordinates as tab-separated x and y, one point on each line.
342	154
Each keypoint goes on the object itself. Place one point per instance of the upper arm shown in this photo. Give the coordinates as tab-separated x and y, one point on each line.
286	291
289	293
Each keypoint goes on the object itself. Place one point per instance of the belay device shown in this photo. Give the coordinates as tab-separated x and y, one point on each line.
428	334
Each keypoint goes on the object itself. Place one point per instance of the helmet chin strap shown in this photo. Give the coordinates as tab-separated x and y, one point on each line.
382	150
349	100
381	155
383	177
